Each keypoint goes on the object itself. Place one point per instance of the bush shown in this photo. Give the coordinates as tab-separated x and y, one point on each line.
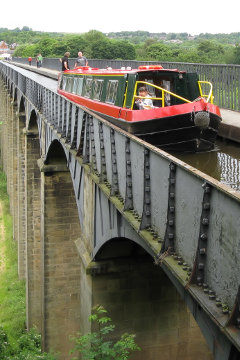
99	345
29	347
4	345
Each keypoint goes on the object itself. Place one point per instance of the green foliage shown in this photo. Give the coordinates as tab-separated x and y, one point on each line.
15	342
159	52
4	344
236	57
99	345
29	347
12	290
128	45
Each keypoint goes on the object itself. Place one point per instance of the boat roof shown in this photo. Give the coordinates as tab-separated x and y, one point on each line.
124	70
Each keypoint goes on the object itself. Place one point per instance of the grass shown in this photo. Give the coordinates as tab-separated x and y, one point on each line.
15	342
12	290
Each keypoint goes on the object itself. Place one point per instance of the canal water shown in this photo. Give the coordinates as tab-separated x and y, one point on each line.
223	163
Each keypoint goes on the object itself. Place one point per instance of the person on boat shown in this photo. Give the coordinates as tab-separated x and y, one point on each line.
145	102
81	60
64	61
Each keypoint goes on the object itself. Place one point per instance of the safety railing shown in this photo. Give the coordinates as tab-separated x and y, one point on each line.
225	78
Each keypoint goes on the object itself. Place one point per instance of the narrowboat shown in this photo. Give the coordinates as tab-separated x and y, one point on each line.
181	117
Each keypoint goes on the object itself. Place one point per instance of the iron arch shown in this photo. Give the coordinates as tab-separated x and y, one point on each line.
22	105
56	154
120	248
33	125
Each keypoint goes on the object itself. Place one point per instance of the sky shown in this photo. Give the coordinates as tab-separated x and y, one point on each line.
193	17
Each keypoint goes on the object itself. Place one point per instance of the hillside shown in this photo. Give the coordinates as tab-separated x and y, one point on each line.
127	45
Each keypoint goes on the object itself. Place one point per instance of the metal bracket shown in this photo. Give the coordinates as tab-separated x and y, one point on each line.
68	133
198	274
86	153
234	319
128	203
55	113
74	140
146	214
103	173
80	148
92	145
114	185
168	242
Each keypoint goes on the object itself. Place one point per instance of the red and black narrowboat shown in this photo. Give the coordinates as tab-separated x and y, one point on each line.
182	116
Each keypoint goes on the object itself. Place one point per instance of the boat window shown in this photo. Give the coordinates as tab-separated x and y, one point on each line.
63	83
79	85
69	84
164	82
75	83
87	90
112	87
97	89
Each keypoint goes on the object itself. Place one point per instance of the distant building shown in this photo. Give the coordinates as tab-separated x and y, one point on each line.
175	41
3	47
13	46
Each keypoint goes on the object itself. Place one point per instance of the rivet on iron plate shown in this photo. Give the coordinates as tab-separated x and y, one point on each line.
206	206
203	236
205	221
212	296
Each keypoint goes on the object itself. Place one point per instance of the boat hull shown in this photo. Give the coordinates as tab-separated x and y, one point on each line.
188	127
173	133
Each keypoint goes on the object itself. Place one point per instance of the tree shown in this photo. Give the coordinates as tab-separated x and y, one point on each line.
26	28
159	52
98	345
101	49
123	50
93	36
46	46
74	44
236	54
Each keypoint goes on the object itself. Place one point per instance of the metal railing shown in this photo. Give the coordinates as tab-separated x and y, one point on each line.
224	78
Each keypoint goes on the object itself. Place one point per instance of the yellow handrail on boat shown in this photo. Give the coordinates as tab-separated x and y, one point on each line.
155	98
209	96
125	95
